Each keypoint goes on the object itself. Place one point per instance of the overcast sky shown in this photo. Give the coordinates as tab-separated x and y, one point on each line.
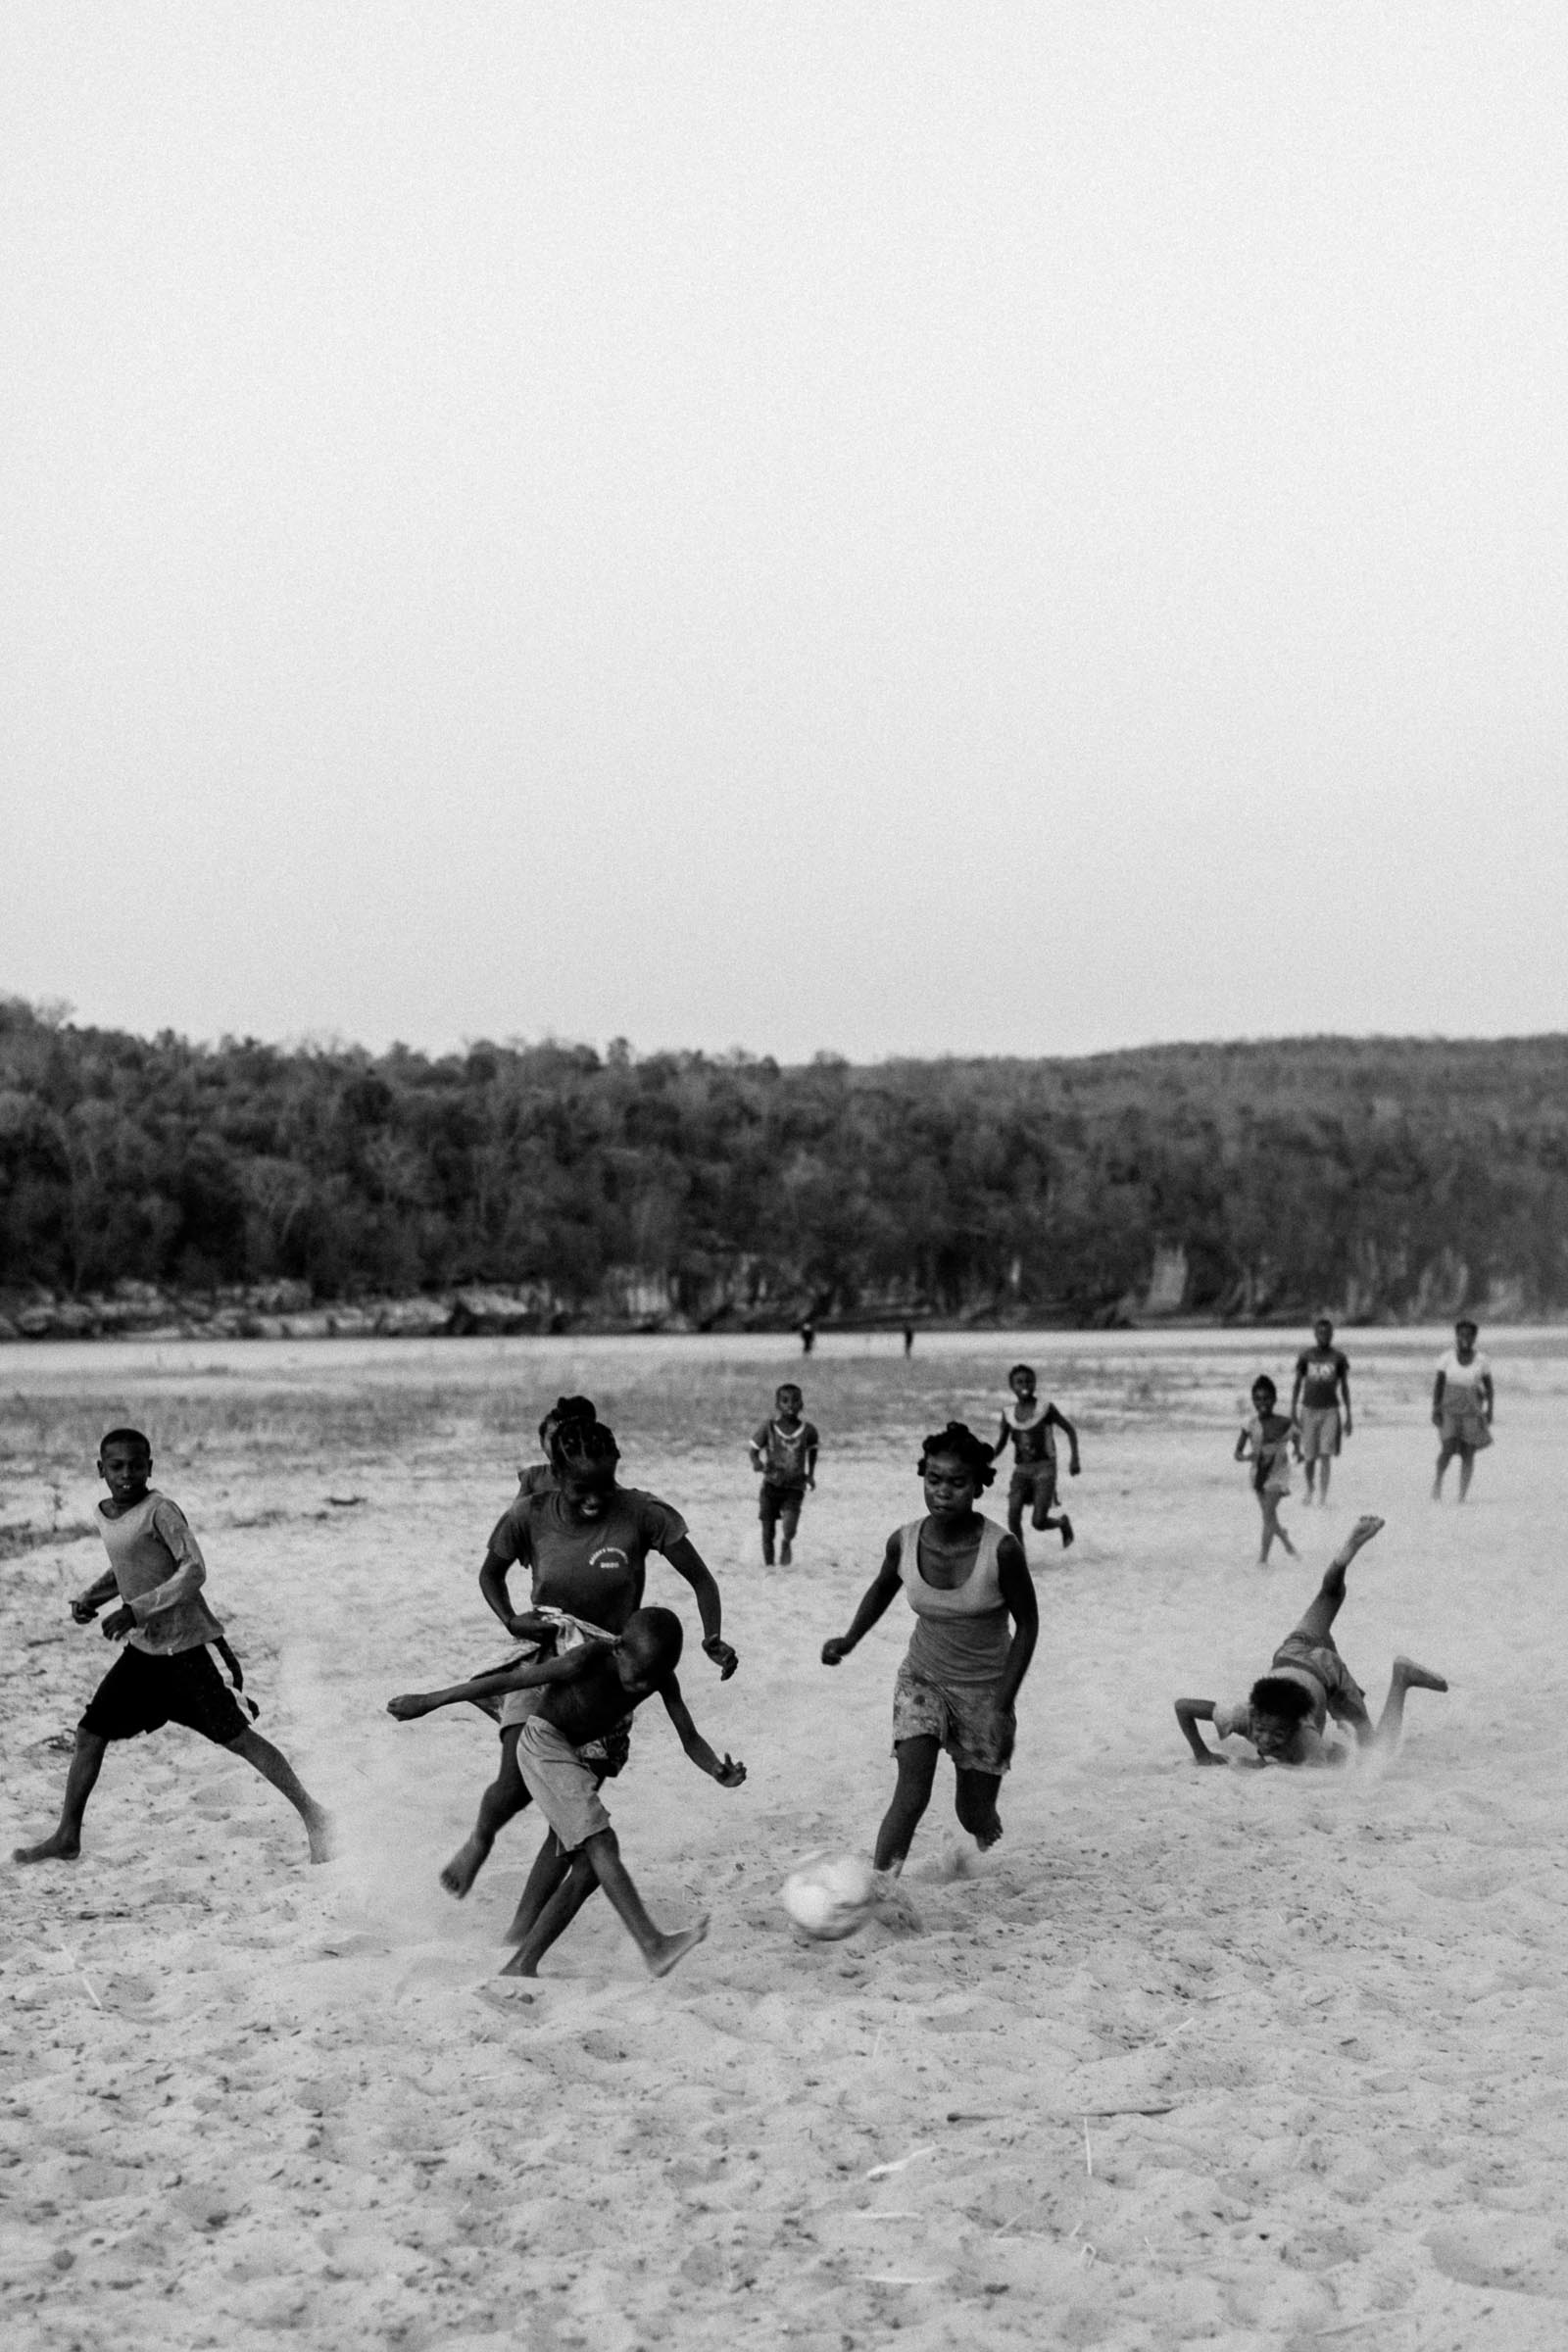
982	528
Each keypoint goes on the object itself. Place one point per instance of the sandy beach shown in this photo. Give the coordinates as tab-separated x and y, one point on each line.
1242	2059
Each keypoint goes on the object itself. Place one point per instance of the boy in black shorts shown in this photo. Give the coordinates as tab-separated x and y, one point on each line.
165	1672
784	1449
1286	1712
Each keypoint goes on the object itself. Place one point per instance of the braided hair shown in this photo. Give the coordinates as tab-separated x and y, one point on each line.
960	1442
582	1445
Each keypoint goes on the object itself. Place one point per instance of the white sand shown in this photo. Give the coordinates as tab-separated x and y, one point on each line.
246	2097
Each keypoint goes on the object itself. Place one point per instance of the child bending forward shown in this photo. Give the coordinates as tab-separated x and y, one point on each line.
587	1693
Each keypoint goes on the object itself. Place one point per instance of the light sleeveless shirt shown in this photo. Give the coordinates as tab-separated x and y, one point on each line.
964	1635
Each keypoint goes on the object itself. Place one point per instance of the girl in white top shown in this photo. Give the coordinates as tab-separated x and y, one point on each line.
1462	1406
976	1625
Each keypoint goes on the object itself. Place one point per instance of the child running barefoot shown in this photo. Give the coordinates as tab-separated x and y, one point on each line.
1029	1426
1266	1443
586	1694
966	1580
1285	1713
784	1449
165	1674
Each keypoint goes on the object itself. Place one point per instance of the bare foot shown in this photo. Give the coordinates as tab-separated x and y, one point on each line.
670	1950
410	1706
465	1865
318	1829
520	1965
1065	1524
1414	1677
786	1557
1364	1531
58	1848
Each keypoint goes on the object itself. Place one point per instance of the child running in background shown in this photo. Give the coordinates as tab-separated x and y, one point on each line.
1285	1713
1463	1401
784	1449
1030	1428
976	1625
1265	1441
166	1672
583	1696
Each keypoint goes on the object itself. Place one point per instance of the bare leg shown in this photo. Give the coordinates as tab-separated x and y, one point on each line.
577	1882
660	1951
1408	1676
64	1843
550	1867
501	1803
976	1806
1311	1467
1325	1465
1448	1449
1467	1467
917	1769
1330	1596
275	1769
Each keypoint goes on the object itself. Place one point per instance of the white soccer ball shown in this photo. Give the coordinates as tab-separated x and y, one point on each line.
829	1896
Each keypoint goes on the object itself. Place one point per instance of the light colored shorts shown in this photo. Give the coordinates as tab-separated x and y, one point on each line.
563	1782
1320	1431
960	1718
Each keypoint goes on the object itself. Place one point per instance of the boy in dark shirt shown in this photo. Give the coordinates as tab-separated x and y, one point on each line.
586	1694
784	1449
1322	1381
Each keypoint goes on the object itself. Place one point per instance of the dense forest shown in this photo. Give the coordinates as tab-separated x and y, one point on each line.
1389	1177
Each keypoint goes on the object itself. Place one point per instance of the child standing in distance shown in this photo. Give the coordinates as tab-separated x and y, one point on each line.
784	1449
1285	1713
1030	1427
1322	1383
585	1694
969	1584
1463	1401
165	1674
1265	1441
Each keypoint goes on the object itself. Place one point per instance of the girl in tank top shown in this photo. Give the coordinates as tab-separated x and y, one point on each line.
975	1627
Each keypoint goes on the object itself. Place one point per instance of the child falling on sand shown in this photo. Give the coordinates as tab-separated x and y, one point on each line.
969	1584
166	1672
1266	1441
583	1696
1029	1426
784	1449
1285	1712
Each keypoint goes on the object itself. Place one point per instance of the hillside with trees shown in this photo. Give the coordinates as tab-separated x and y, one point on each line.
556	1186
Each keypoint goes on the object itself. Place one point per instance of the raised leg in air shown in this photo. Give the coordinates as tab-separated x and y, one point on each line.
1408	1676
1330	1596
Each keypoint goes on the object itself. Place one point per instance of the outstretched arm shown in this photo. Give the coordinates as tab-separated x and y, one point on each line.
530	1674
687	1561
727	1773
874	1604
1190	1713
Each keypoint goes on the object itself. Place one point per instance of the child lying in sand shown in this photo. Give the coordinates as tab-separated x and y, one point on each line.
587	1693
1285	1713
165	1674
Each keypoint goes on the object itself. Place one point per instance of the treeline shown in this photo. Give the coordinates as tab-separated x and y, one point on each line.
1385	1177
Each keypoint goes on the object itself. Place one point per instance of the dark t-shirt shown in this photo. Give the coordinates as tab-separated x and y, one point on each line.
1320	1371
784	1453
593	1569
